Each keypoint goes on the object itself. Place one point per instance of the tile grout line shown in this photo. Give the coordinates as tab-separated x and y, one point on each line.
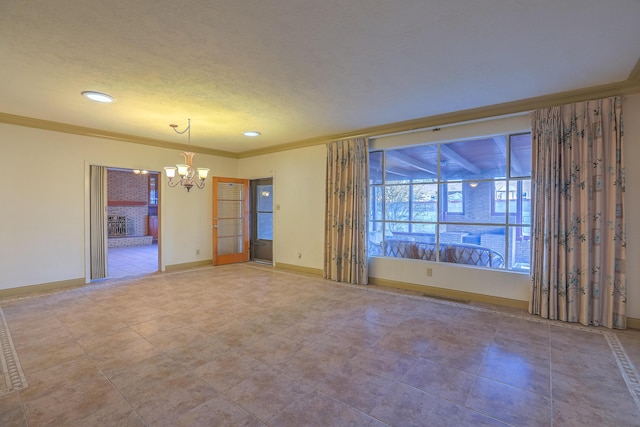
627	369
117	390
3	364
14	375
551	413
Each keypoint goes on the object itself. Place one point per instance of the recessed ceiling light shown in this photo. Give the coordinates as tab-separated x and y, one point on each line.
252	133
97	96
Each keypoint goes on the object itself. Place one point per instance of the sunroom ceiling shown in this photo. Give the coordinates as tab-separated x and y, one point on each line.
472	159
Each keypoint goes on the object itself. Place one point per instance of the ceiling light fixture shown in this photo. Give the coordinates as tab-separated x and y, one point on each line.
252	133
97	96
187	174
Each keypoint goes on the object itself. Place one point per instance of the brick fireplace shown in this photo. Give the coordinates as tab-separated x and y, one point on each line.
127	208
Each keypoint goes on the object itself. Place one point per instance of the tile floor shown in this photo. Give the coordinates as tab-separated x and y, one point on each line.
245	345
132	261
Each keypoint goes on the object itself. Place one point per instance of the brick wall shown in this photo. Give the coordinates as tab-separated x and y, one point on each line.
125	186
477	208
477	205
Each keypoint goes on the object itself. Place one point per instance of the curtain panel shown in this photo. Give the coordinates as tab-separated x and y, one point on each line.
579	248
98	221
345	253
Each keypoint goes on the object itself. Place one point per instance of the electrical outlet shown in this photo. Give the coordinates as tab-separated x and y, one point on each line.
299	254
197	251
429	271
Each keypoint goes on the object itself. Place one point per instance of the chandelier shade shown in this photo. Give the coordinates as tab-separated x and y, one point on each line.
188	176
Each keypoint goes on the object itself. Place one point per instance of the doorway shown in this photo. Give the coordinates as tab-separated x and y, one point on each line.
262	220
129	226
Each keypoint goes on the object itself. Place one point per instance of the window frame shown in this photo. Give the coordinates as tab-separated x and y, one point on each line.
508	225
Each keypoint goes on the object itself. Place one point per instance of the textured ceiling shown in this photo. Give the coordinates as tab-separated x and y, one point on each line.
295	70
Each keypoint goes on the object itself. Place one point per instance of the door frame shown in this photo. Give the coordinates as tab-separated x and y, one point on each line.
253	183
241	256
87	214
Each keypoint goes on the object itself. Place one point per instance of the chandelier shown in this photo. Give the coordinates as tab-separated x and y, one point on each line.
185	170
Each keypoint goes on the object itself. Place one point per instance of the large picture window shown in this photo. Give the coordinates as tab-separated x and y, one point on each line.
465	202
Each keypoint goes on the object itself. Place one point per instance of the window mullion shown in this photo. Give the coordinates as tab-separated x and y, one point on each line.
445	207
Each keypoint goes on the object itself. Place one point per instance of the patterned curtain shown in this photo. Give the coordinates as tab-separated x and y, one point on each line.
579	247
345	253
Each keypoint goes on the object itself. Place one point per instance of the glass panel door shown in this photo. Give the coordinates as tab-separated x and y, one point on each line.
230	220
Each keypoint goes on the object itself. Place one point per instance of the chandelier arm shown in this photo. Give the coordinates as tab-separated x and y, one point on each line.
188	178
173	183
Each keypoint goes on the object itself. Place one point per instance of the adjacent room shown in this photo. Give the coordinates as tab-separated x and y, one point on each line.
321	213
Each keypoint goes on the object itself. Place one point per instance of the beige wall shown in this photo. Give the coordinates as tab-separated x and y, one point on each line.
299	177
43	215
631	111
514	286
298	182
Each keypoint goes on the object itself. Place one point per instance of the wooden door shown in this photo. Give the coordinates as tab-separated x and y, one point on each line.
153	228
261	193
230	220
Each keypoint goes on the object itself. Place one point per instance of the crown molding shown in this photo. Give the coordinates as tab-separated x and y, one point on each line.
634	76
31	122
625	87
594	92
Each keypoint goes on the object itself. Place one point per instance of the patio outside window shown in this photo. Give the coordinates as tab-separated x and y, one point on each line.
465	202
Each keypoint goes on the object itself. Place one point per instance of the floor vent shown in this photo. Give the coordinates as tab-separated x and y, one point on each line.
461	301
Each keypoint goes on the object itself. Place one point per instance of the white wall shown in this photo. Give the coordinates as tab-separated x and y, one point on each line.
42	216
299	179
455	132
298	183
631	112
455	277
44	234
